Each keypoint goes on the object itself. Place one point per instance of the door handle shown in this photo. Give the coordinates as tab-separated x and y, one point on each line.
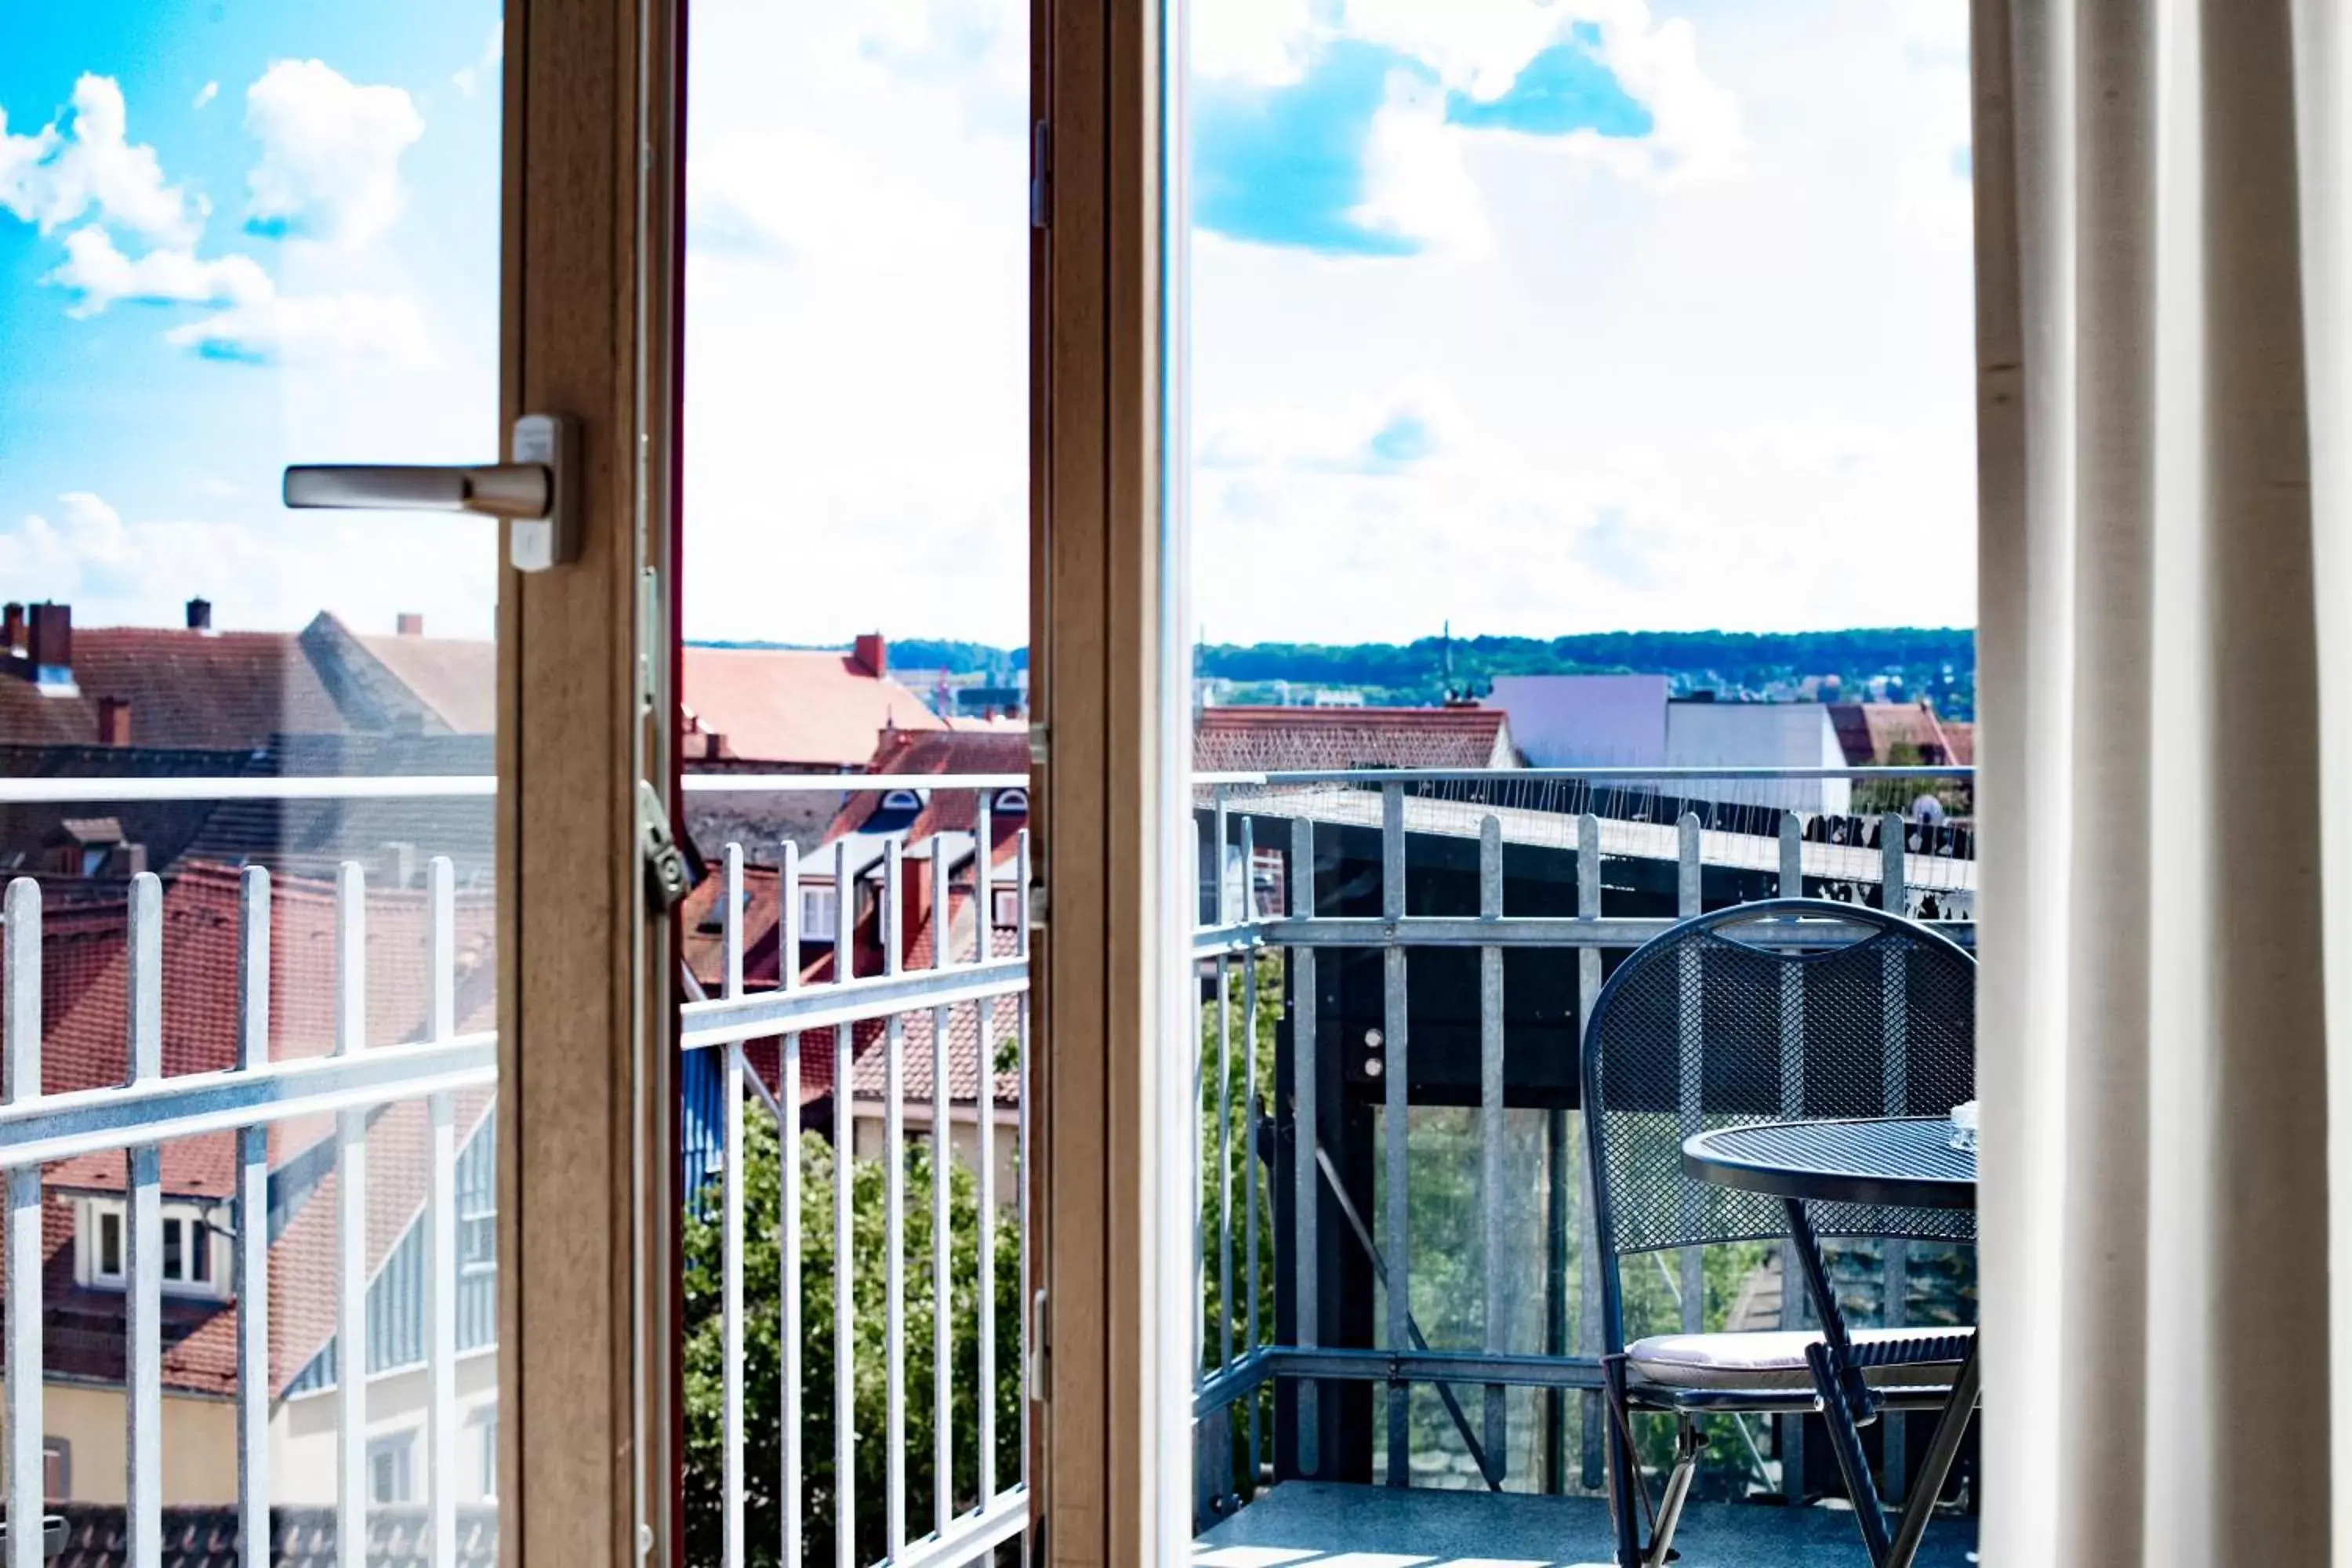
537	493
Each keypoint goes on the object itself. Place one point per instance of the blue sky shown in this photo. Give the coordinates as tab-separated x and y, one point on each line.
287	249
1534	315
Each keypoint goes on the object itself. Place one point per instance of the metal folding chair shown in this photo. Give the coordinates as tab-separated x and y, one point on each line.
1786	1009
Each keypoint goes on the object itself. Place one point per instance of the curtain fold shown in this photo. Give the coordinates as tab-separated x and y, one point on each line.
2166	679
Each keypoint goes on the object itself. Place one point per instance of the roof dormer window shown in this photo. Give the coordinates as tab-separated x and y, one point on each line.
102	1237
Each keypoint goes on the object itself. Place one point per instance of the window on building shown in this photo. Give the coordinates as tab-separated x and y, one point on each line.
390	1474
820	911
187	1246
487	1422
477	1228
1012	803
1007	914
56	1468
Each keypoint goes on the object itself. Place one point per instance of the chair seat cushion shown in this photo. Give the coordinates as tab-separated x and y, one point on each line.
1770	1359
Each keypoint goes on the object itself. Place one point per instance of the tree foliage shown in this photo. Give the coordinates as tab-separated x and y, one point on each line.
763	1324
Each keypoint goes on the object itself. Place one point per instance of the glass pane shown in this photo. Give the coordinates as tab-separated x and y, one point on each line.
856	406
1572	404
235	237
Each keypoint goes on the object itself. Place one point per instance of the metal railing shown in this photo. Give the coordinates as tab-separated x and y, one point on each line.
864	1012
1241	1359
978	981
151	1110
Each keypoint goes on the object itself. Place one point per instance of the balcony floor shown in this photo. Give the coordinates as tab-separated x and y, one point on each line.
1314	1524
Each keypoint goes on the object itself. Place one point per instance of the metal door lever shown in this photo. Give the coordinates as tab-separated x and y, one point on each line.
536	492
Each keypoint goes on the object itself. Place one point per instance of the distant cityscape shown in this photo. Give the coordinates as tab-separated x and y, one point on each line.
1876	664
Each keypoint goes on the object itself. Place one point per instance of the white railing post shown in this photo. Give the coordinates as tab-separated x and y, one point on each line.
894	1210
942	1166
731	1173
1298	995
1496	1426
350	1227
788	1154
1250	1122
142	1326
21	1086
1691	902
441	1219
845	1304
983	901
1587	992
1397	1134
253	1379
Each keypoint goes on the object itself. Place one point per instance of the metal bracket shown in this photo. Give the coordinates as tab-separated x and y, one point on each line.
667	880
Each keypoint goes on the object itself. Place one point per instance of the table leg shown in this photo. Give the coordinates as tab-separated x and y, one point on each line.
1847	1404
1942	1449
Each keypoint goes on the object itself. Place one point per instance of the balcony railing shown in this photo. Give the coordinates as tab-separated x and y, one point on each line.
1274	1188
1315	868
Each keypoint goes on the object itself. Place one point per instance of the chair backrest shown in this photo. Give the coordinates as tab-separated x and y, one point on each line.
1767	1012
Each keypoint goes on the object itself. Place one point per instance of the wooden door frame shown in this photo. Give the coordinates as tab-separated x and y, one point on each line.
1109	1207
586	1014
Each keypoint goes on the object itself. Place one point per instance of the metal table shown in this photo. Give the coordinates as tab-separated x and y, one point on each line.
1903	1160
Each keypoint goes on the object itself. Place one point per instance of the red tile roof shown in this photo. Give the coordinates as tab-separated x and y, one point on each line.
940	752
456	678
794	708
1267	740
1883	734
185	688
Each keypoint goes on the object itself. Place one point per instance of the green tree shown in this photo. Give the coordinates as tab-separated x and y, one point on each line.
763	1326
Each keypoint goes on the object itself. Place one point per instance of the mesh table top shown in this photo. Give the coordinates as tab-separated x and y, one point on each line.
1905	1160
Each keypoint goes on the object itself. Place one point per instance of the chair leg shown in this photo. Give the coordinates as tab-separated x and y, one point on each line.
1688	1441
1624	1469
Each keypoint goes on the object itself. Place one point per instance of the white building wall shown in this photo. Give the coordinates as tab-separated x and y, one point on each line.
1585	721
1759	735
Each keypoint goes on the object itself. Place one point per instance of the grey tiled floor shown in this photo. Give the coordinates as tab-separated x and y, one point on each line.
1312	1524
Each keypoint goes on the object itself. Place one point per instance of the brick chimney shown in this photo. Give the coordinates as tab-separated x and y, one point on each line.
200	615
871	653
114	721
410	625
51	642
12	630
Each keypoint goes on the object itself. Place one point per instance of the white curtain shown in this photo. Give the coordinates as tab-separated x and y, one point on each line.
2166	679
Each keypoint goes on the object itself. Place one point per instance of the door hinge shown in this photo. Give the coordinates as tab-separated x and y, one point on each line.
666	873
1040	743
1040	175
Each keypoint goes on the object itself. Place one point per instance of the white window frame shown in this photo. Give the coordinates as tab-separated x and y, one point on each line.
196	1240
479	1220
400	1448
814	927
485	1422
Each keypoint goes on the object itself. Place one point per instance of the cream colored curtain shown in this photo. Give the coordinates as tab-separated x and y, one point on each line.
2166	678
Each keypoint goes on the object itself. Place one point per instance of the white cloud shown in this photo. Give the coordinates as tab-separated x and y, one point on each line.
330	149
101	275
794	195
302	329
54	175
468	79
205	94
1417	182
119	573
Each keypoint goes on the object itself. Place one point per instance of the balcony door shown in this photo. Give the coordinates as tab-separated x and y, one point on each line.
334	1029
